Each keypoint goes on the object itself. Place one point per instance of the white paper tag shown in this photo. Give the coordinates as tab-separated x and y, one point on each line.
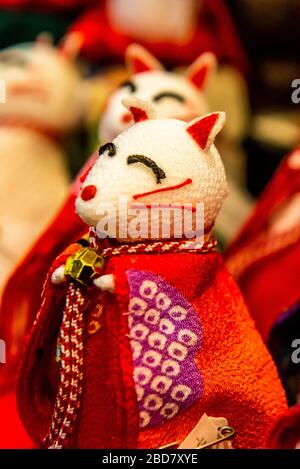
205	432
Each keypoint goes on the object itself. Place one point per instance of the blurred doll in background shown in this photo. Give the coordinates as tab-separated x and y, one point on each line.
42	104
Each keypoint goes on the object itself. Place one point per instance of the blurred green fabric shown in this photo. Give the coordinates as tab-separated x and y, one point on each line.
23	26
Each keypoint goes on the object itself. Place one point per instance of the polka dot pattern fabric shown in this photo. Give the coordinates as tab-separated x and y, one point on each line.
165	335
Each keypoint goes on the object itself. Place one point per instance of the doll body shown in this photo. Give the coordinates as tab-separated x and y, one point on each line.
34	174
157	335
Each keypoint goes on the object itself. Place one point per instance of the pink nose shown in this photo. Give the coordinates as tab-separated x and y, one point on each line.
88	192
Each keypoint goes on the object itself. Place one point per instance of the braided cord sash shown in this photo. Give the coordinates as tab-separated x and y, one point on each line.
71	370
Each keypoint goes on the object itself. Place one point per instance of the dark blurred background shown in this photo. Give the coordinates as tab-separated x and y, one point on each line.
270	32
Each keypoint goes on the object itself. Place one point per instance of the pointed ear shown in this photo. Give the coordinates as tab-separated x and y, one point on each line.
200	71
44	38
140	60
71	44
204	129
140	110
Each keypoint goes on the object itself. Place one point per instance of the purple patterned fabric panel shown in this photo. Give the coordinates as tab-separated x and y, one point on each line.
165	335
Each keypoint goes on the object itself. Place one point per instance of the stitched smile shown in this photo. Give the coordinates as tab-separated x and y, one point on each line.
164	189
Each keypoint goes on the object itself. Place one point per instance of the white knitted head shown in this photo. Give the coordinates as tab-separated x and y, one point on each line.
171	94
182	155
42	85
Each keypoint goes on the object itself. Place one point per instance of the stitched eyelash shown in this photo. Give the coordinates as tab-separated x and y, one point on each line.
159	173
111	147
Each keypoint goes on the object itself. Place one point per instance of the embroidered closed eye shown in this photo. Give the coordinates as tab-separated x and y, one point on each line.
110	147
158	172
169	94
130	85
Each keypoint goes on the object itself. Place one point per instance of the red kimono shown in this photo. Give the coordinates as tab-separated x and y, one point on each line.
174	341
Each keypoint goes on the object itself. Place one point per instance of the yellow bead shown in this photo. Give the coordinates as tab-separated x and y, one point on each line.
84	265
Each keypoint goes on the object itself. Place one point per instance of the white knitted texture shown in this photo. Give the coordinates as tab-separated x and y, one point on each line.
148	85
167	142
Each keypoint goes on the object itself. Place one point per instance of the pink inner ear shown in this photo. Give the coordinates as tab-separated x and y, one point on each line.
139	115
139	66
200	130
199	77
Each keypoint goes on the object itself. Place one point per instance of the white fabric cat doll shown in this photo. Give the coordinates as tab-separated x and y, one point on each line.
170	93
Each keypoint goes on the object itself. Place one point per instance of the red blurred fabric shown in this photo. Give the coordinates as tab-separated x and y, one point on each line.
285	432
215	32
240	380
270	282
12	432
